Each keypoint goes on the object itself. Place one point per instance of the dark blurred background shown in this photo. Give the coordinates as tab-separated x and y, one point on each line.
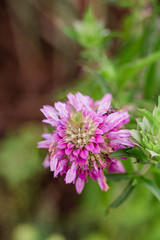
37	63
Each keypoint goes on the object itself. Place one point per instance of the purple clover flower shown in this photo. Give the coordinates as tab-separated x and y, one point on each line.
84	134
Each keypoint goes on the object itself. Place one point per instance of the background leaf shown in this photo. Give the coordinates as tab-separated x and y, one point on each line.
151	186
123	196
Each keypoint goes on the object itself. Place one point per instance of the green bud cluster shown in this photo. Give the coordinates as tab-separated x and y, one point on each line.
147	135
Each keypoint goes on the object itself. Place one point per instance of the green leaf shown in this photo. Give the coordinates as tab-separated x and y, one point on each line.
123	196
148	115
139	154
151	186
136	135
120	153
136	152
101	82
129	70
116	177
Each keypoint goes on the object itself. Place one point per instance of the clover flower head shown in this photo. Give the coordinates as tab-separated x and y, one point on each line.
84	134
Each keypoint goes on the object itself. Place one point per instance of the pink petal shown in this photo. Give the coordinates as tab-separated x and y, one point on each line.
90	147
76	152
98	131
68	151
53	163
92	139
121	141
71	173
72	99
70	145
79	185
84	153
104	104
61	144
116	166
98	120
47	136
116	119
102	183
123	133
81	161
99	139
96	149
49	112
46	162
44	144
72	157
61	108
60	167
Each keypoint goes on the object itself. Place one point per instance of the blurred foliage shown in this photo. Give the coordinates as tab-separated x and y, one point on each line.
26	232
19	158
122	72
125	62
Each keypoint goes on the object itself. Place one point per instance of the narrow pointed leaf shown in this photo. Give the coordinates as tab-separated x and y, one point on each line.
129	70
120	153
152	187
148	115
123	196
116	177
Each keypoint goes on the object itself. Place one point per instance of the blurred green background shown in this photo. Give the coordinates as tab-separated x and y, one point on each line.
39	64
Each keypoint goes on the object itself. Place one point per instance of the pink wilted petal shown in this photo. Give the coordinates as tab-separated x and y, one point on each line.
72	99
102	183
79	185
116	119
46	162
83	101
53	163
49	112
62	110
60	167
121	141
104	104
123	133
84	153
96	149
47	136
90	147
116	166
71	173
44	144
